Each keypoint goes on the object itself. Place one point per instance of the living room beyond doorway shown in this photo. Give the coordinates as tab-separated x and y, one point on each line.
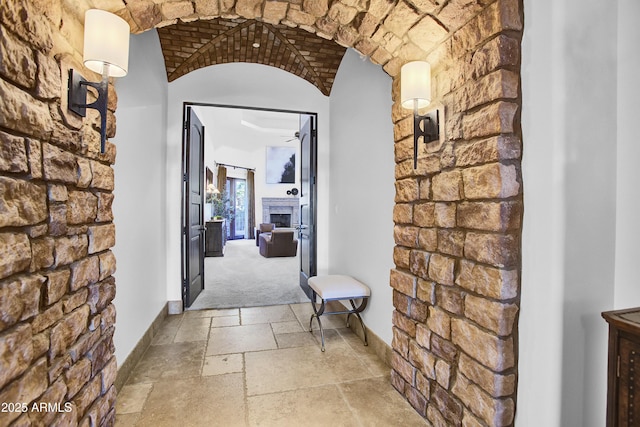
253	175
244	278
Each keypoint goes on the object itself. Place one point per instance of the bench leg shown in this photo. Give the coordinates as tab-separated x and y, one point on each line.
356	311
317	313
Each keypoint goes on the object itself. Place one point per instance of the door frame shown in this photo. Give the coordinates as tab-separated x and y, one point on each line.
314	156
185	222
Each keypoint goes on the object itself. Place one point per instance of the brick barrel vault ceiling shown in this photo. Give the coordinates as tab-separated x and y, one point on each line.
189	46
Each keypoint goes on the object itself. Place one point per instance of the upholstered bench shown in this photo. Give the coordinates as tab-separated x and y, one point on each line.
335	288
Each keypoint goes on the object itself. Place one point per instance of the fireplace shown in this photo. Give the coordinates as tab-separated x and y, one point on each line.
280	220
274	210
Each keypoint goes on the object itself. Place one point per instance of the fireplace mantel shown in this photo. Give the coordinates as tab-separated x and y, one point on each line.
281	205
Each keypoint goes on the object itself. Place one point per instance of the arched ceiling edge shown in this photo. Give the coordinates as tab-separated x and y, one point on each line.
388	32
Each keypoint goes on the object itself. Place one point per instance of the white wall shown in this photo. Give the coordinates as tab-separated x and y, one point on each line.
569	68
627	292
362	184
139	204
250	85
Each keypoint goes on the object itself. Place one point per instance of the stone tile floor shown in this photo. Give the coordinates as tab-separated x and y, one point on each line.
259	367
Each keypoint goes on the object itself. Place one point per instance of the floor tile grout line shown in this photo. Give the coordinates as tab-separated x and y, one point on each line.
246	391
346	401
341	333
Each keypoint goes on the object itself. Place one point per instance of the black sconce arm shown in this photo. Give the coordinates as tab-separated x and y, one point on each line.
77	100
427	127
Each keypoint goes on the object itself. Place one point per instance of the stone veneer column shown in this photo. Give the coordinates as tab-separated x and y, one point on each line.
457	231
457	217
56	231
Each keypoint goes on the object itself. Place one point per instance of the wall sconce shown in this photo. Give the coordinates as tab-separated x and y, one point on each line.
415	93
106	51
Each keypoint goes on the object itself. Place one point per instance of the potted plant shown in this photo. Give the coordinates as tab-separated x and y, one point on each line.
221	205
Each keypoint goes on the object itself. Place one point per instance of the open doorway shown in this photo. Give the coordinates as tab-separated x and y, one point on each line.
260	169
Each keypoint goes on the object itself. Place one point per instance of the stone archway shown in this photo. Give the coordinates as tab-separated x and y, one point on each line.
457	216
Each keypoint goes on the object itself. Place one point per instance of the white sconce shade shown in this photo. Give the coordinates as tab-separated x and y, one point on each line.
415	84
106	42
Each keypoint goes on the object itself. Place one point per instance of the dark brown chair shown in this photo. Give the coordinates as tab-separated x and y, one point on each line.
263	228
278	243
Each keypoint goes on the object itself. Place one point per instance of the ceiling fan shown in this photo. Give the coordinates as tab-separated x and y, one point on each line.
295	136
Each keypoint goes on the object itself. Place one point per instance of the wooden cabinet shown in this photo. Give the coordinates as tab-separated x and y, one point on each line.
623	383
215	237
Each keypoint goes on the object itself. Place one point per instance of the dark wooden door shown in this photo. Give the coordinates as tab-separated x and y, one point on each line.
308	200
193	221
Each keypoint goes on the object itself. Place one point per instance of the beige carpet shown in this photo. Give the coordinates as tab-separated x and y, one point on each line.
244	278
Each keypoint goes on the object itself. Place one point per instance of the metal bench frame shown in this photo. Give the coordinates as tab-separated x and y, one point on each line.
319	310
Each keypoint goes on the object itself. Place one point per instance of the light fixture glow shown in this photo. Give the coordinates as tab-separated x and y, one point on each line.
106	42
415	93
415	84
106	51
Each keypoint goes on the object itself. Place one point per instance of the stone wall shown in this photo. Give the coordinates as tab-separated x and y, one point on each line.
457	216
457	231
56	284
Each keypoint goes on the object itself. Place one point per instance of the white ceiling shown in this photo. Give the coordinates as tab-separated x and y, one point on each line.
246	129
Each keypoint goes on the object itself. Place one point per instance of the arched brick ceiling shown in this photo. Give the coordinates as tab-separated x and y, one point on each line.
189	46
389	32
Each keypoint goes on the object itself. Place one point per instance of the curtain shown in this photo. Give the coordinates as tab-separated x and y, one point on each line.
222	179
251	203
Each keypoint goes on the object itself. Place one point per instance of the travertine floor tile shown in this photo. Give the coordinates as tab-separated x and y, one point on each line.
287	327
304	311
239	339
319	406
212	313
193	329
206	401
168	361
261	367
268	314
331	338
225	312
375	402
167	331
296	339
126	420
195	322
367	354
224	364
132	397
220	322
294	368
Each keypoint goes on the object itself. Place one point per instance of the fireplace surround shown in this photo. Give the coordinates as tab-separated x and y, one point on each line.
281	206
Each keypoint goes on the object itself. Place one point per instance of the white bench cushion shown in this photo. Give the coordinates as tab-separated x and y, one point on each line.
338	287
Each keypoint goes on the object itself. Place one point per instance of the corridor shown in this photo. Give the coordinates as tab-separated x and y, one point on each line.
259	367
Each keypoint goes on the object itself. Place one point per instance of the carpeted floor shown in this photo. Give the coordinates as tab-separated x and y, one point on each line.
244	278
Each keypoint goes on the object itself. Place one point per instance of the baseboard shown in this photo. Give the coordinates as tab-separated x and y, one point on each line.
125	369
175	307
381	348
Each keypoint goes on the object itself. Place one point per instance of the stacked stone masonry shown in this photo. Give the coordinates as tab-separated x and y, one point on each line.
456	289
57	319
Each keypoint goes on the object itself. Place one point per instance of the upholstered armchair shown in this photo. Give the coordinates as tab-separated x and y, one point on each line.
263	228
278	243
